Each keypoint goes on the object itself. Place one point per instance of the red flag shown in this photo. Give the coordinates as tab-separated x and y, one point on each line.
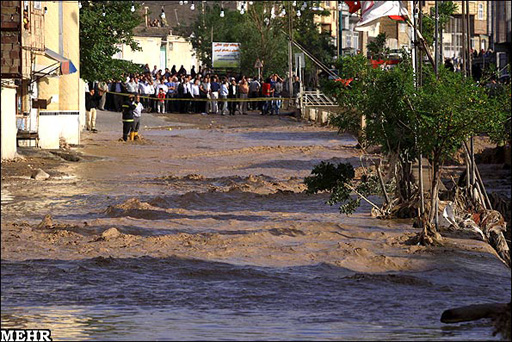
345	82
353	6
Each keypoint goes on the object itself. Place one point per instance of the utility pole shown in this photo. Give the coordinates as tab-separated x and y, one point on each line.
417	76
441	48
340	33
468	31
290	57
436	39
420	51
464	58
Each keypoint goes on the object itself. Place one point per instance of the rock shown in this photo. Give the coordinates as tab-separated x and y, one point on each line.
39	175
47	222
110	233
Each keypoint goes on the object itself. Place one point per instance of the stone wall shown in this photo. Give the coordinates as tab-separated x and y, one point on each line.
11	39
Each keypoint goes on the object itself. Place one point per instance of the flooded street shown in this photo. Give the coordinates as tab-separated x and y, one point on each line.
202	231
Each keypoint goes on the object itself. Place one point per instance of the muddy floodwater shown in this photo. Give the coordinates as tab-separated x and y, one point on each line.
202	231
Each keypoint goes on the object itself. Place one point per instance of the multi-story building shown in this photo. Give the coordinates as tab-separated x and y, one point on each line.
452	34
40	41
400	33
341	21
499	25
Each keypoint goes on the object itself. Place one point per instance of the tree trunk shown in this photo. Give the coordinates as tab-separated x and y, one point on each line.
429	235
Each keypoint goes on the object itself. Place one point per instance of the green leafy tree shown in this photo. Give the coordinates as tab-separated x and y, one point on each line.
451	109
260	36
377	48
379	98
100	35
445	9
434	119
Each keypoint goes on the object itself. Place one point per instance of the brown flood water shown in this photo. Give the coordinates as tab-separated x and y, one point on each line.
215	239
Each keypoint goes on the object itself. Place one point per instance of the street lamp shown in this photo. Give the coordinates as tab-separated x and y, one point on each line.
192	7
133	7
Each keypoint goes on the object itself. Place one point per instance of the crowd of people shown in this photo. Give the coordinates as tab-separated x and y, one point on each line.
177	91
455	63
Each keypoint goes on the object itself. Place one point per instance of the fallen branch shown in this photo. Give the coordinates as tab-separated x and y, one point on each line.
364	198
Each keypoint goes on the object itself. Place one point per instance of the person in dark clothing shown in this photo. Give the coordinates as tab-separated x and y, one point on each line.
296	86
232	94
193	71
180	105
173	70
91	103
182	71
128	119
448	64
118	99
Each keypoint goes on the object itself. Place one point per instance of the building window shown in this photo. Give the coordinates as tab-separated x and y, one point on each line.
355	39
403	27
326	28
37	5
480	12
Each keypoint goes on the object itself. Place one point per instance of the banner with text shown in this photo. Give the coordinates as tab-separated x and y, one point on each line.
226	55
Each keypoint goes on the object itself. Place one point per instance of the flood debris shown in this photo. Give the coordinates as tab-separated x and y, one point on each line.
39	174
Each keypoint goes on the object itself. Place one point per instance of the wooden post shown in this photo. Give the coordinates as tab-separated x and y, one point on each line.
470	56
382	185
463	54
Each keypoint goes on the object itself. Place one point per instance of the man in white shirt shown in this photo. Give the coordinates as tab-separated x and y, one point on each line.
131	87
194	89
137	112
187	92
161	85
254	92
224	91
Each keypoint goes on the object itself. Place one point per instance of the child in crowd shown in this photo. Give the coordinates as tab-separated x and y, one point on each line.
161	101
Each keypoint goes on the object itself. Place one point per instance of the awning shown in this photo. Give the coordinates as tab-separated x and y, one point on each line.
66	66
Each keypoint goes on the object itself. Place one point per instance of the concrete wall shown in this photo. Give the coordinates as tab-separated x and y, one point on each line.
149	54
61	119
179	52
8	122
318	115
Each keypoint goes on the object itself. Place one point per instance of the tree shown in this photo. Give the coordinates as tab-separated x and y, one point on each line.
445	9
261	36
377	48
381	97
100	35
451	108
434	119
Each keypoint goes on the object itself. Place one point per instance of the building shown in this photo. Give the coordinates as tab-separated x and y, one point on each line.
499	25
160	47
400	34
452	34
40	41
341	21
